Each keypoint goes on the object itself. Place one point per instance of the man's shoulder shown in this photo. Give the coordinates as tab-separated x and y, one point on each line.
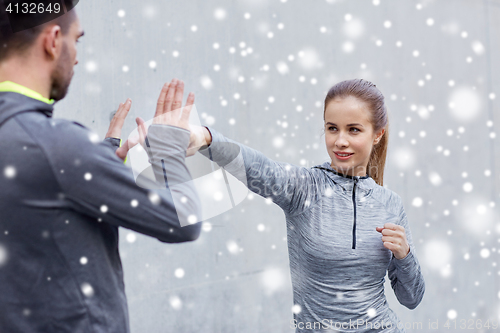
32	118
61	138
44	129
63	130
78	124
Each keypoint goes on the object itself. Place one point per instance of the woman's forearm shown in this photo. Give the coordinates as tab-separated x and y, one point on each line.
208	136
291	187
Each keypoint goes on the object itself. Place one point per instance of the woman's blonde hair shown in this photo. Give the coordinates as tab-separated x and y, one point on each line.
368	93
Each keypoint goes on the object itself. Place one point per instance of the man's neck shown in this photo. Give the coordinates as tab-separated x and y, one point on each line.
22	72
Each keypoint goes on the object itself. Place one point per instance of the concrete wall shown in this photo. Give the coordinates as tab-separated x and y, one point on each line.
436	63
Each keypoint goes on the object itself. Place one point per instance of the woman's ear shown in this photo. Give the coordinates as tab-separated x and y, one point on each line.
380	134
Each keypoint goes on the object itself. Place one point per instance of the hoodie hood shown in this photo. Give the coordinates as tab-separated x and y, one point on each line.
346	181
12	103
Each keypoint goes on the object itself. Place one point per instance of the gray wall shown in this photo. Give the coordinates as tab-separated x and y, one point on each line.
457	159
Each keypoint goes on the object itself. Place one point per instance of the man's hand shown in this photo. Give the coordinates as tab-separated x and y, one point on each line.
116	125
394	238
130	143
168	112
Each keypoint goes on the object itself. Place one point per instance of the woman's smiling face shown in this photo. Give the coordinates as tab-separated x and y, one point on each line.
348	130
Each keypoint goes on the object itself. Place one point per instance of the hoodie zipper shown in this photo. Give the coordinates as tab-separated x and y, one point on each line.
356	180
354	204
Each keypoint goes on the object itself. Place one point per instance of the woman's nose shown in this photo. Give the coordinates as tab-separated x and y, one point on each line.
341	141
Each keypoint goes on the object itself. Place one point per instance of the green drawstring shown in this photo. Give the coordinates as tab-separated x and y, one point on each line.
125	161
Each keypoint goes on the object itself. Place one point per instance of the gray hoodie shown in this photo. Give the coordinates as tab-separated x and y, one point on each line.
62	198
338	261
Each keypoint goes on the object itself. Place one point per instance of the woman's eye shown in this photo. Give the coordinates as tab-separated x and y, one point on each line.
332	127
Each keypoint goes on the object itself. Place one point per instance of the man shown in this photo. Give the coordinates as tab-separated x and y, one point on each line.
63	195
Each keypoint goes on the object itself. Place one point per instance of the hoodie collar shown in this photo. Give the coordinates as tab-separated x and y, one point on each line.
12	103
346	181
9	86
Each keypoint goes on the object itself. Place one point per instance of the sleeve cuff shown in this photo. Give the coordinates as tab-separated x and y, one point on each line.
405	263
112	142
168	138
222	150
212	134
207	150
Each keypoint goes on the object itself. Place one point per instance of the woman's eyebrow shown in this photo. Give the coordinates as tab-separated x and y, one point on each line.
347	124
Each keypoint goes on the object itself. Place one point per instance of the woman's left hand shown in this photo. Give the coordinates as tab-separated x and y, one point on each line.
394	238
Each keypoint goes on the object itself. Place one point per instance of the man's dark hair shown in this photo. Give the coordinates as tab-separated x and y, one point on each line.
19	42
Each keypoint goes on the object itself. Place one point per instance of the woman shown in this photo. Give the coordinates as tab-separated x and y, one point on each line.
344	229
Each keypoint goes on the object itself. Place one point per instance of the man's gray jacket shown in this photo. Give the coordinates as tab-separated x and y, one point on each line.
62	198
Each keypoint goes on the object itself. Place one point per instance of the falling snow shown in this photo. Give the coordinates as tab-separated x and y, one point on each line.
9	172
87	289
3	255
267	86
175	302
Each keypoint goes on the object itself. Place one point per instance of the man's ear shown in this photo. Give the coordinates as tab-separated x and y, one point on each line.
52	41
